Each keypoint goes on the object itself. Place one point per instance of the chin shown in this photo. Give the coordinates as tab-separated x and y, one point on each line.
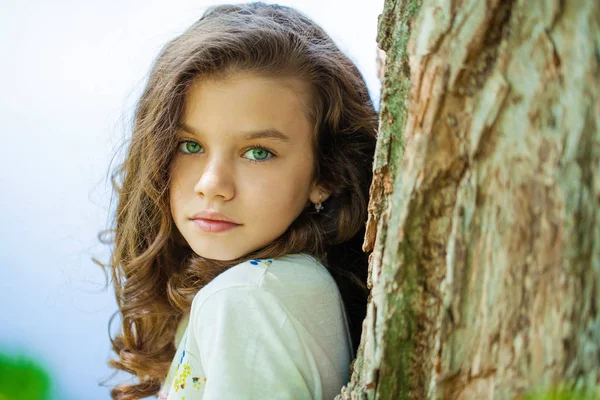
215	255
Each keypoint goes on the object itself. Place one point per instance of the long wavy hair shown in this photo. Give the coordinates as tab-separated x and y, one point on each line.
154	272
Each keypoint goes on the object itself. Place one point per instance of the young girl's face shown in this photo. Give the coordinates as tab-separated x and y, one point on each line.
243	170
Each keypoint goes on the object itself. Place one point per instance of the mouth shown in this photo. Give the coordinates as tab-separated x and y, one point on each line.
214	226
213	221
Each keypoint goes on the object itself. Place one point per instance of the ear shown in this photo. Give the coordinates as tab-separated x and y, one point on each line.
318	194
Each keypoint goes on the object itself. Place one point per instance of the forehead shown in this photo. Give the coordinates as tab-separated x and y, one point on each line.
248	101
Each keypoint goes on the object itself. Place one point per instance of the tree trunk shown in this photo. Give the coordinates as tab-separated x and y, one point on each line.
485	204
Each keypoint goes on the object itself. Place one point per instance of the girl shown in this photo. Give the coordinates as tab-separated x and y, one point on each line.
237	261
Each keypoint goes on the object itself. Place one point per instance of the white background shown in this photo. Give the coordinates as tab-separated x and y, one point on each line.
70	73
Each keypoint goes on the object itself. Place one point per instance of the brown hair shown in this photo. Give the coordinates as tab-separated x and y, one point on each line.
155	273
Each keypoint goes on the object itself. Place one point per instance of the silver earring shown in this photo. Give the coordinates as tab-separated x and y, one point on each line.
319	205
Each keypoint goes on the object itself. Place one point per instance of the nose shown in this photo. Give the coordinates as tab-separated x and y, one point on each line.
216	181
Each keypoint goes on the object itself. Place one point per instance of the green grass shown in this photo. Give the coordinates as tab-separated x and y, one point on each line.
22	378
564	394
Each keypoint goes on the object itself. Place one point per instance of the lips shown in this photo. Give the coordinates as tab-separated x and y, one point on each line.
213	216
213	221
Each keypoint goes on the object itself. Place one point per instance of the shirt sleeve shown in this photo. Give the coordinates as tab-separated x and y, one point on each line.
249	349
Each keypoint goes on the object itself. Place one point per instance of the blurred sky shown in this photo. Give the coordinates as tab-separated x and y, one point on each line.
70	73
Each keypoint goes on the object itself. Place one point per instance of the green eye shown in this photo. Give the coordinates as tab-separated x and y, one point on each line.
258	154
189	147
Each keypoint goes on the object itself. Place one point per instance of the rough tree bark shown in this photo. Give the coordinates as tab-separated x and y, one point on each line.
485	204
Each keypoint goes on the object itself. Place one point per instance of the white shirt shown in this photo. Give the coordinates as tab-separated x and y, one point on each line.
264	329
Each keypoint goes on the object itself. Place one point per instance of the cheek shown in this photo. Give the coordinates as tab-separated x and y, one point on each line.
177	188
175	204
175	197
283	193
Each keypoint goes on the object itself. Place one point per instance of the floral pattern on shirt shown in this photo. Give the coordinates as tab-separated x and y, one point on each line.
182	374
266	263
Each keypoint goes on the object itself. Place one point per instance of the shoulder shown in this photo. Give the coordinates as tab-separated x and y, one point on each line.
290	275
297	273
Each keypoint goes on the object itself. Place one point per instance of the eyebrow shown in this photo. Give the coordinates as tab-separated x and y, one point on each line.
269	133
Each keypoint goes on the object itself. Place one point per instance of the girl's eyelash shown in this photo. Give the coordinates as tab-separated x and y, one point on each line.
273	154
